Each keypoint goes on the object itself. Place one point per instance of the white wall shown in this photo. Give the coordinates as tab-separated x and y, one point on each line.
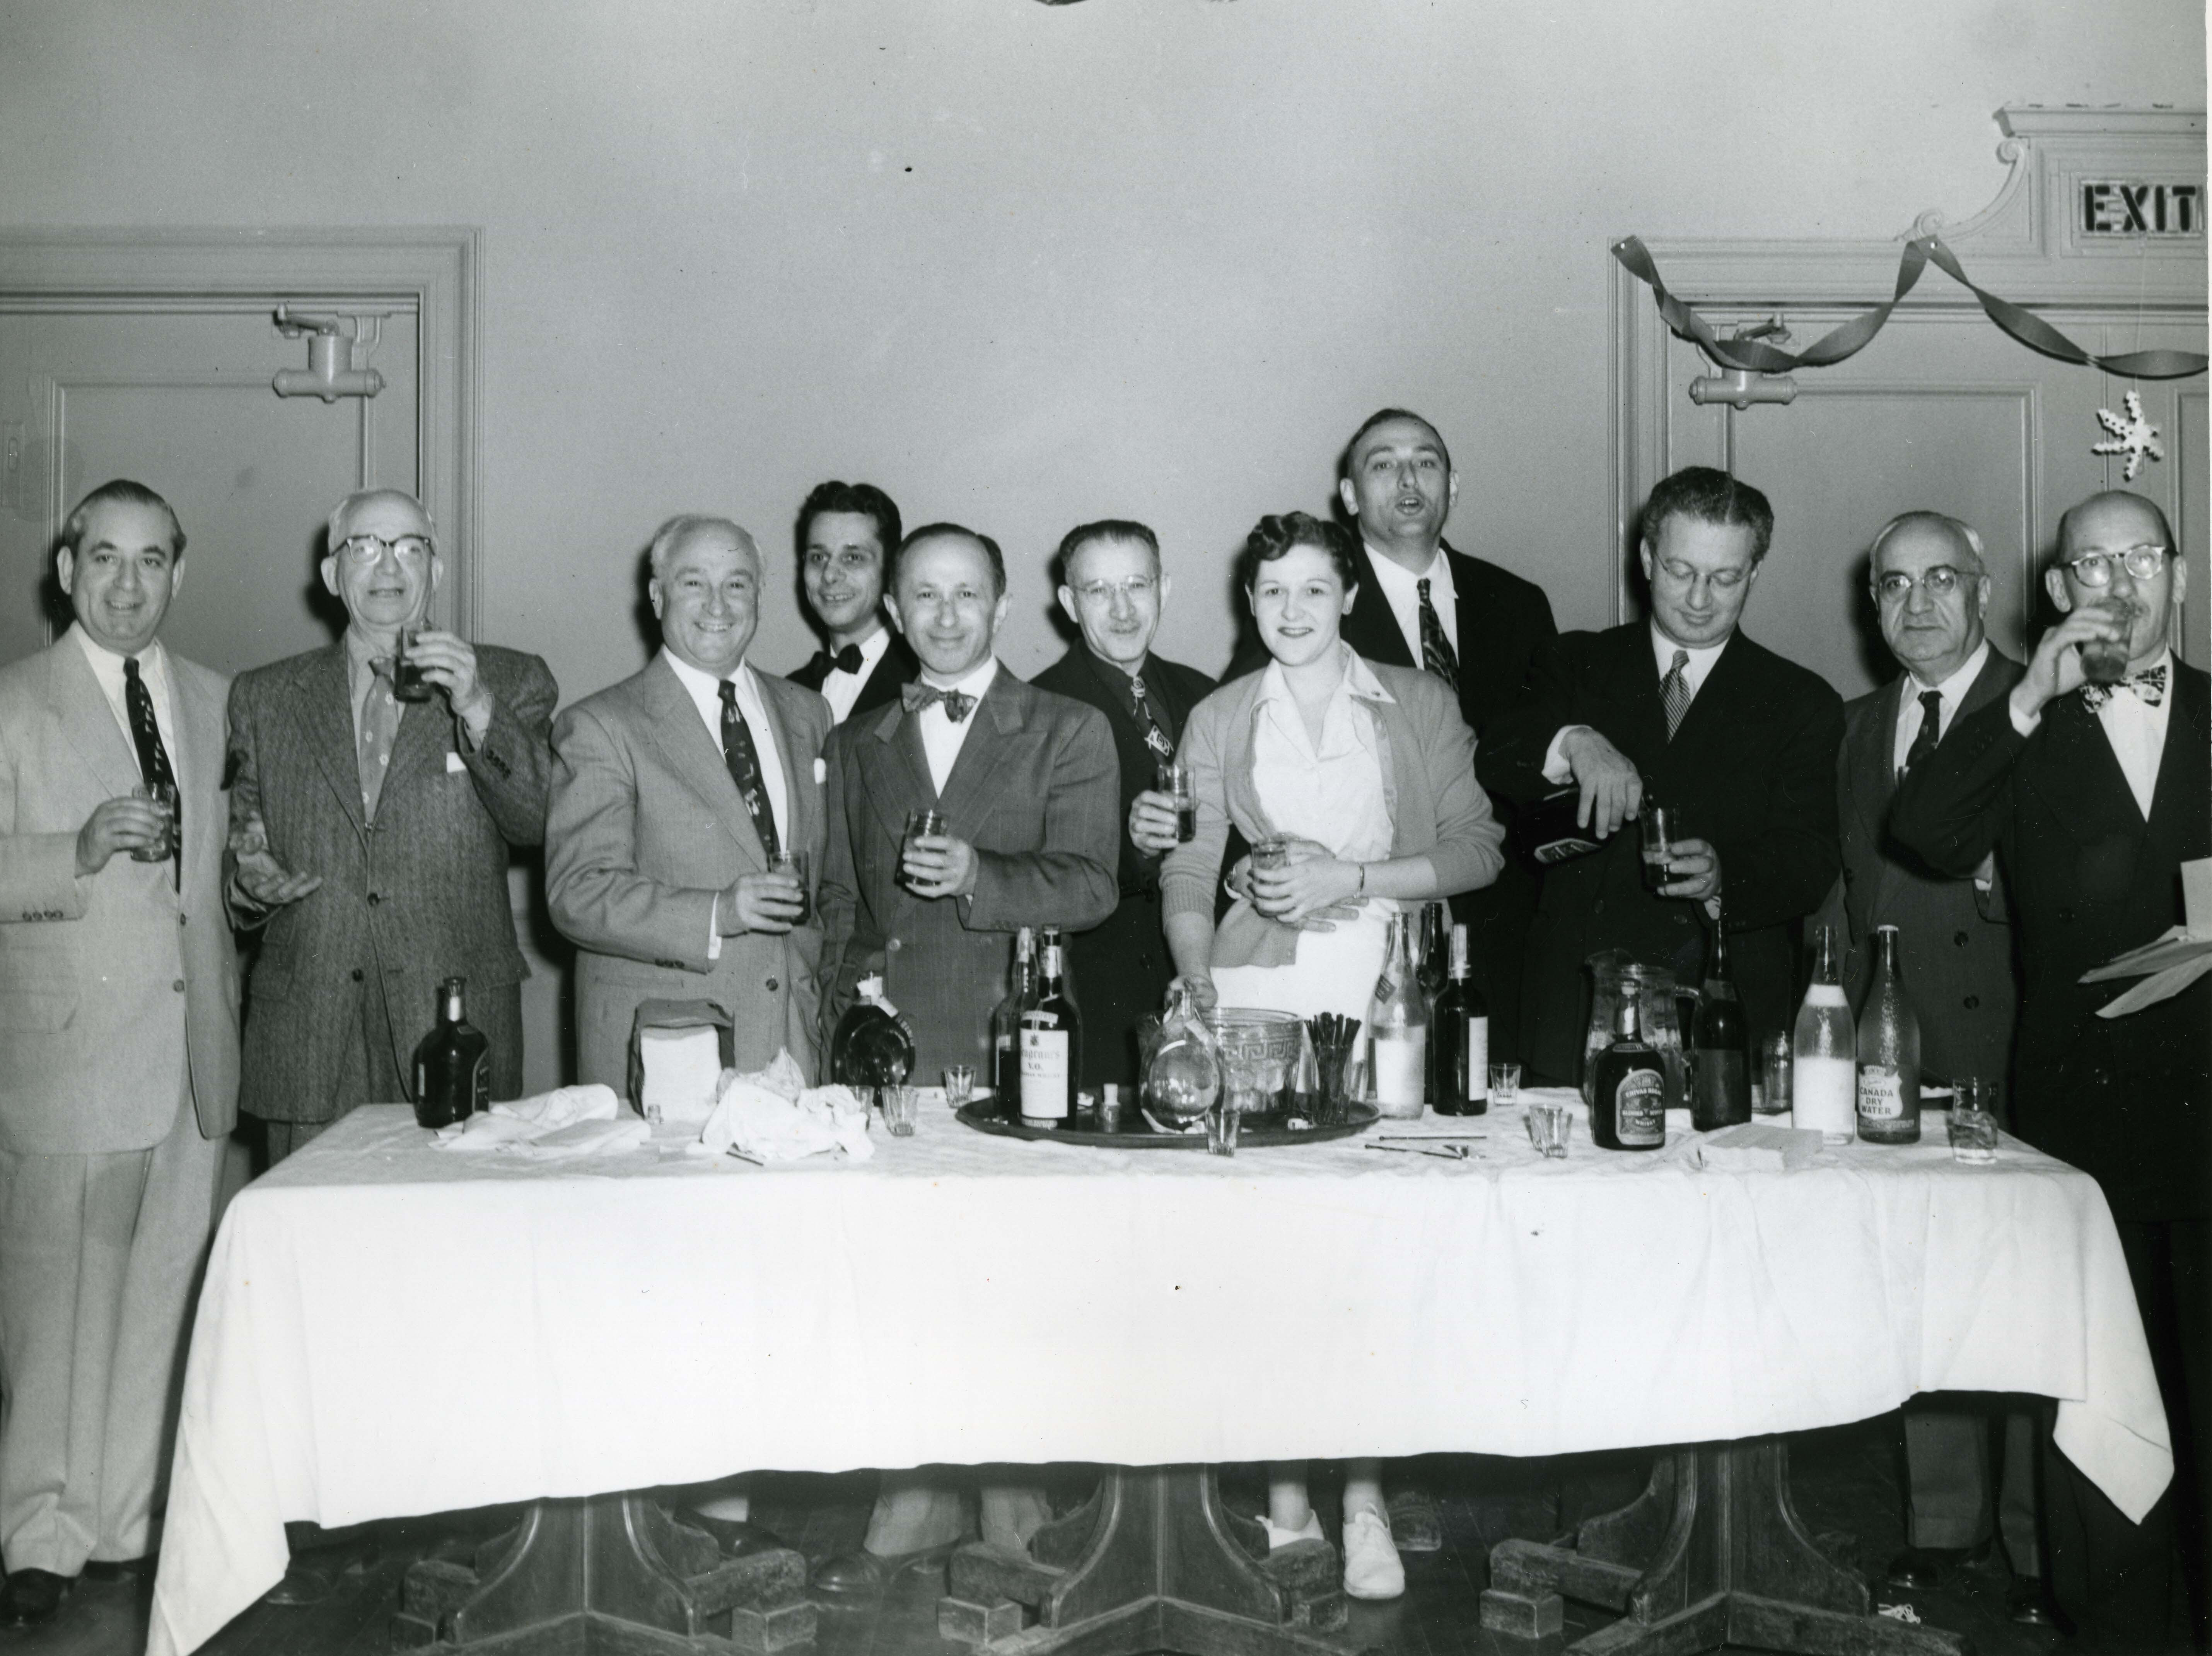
1024	264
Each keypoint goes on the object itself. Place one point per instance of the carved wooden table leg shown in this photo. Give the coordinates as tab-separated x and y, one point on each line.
1711	1553
1150	1562
611	1572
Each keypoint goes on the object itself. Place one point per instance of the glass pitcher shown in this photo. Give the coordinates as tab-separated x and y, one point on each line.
1615	973
1182	1069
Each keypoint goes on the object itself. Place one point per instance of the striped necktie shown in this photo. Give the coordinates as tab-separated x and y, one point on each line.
153	756
1437	655
1674	693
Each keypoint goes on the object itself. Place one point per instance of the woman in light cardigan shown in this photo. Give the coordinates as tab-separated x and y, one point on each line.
1368	770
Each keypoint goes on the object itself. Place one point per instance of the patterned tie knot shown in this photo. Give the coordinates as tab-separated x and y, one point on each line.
916	695
2148	687
728	691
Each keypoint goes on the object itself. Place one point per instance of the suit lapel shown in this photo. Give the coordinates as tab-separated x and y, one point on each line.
2177	801
2080	776
901	773
995	718
1873	756
1372	627
1633	685
681	735
323	709
87	721
200	740
799	801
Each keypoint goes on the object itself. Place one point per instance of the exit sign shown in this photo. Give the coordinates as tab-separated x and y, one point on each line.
2142	207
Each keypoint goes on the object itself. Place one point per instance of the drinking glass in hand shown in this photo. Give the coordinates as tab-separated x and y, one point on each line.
795	864
920	824
2105	661
163	796
408	684
1271	854
1658	826
1177	783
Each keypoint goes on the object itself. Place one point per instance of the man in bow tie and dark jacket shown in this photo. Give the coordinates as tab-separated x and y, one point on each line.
1112	587
845	533
2093	795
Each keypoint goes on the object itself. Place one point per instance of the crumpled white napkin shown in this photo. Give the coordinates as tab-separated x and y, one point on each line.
556	1126
769	1116
1752	1148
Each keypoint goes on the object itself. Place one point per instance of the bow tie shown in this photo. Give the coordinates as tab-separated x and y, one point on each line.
2149	686
847	660
958	704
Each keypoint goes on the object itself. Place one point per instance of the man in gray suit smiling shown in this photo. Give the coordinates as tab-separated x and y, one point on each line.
673	792
373	835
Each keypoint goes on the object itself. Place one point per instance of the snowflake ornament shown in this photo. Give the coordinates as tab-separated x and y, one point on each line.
2134	436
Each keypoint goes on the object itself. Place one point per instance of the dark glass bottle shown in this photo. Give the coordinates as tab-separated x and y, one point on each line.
1459	1040
1628	1091
1720	1078
1545	832
874	1046
1006	1025
1052	1045
452	1063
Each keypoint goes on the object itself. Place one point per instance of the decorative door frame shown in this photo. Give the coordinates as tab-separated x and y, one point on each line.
432	271
2026	245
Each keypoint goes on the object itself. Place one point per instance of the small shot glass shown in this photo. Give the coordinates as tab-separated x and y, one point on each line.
1505	1083
900	1105
959	1084
1272	853
1973	1121
1550	1126
1222	1122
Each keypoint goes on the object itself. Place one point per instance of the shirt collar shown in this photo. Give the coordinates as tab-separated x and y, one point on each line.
975	683
705	684
107	662
1392	573
1954	688
871	648
1359	681
1702	656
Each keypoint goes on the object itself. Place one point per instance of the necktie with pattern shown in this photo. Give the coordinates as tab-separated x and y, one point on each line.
1931	725
916	695
1674	693
2148	687
1437	655
738	754
380	728
146	736
1156	735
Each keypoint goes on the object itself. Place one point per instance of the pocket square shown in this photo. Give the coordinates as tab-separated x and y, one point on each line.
454	765
821	771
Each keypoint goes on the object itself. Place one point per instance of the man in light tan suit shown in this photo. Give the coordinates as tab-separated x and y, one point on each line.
118	1048
671	790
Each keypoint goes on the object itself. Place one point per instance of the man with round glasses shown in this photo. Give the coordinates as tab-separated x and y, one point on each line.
2093	794
1931	588
372	833
1112	588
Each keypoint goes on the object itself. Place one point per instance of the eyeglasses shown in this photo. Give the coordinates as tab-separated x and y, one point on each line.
364	549
1941	581
1102	592
2096	569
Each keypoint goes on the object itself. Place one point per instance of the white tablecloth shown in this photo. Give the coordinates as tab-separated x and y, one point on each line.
389	1329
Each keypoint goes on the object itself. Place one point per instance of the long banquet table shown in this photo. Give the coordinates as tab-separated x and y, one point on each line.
388	1328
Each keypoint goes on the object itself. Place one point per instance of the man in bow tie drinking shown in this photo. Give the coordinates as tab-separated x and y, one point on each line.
1026	782
2093	794
845	532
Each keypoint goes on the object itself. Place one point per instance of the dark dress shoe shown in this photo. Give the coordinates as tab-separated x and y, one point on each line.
1922	1569
861	1574
736	1538
2030	1604
113	1570
31	1596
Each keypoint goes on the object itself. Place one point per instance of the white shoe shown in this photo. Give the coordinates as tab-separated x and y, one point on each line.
1371	1569
1280	1538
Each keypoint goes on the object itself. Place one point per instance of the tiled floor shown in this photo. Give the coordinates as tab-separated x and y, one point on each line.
1845	1481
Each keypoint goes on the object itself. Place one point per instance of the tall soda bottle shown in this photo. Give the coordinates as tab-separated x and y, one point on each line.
1006	1025
1052	1044
452	1063
1720	1043
1398	1029
1889	1053
1824	1053
1459	1040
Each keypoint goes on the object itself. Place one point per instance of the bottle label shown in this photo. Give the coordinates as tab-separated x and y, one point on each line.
1044	1074
1401	1069
1881	1093
480	1085
1478	1060
1639	1108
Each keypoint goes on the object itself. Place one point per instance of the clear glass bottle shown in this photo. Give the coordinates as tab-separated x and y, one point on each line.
1459	1040
1398	1029
1824	1054
1888	1052
1006	1025
453	1062
1052	1044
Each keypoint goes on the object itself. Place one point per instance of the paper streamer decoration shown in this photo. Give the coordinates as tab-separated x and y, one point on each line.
1850	337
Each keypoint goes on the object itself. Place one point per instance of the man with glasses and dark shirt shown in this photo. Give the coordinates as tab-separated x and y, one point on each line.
2089	780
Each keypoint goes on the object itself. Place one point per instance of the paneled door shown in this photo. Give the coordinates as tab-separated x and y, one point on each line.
181	400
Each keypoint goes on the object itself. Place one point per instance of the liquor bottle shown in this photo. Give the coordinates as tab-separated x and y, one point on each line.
1052	1044
452	1063
1459	1040
1823	1063
1720	1069
1436	918
1888	1052
1545	832
1398	1029
874	1046
1628	1090
1006	1025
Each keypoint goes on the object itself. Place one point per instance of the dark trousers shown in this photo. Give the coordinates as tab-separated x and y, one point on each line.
2143	1586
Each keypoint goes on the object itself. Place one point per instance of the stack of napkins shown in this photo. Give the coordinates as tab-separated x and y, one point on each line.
556	1126
683	1073
1751	1148
772	1116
